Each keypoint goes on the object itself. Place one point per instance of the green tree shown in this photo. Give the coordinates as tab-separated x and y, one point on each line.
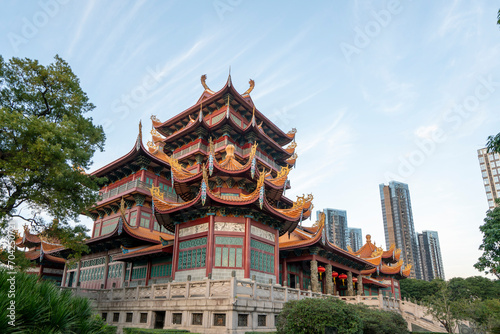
45	144
443	308
474	288
415	289
489	262
493	143
485	315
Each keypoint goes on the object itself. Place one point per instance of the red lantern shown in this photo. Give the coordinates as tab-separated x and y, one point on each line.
334	274
321	270
342	277
354	281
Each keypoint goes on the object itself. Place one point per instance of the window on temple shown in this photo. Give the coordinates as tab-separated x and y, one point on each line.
104	316
197	319
133	218
129	317
156	226
97	229
219	319
127	271
161	267
139	270
149	181
261	320
166	188
144	318
145	219
115	270
116	317
177	318
192	253
109	225
228	252
242	320
262	256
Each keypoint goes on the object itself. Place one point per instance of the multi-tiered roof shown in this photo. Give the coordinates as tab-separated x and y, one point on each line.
226	156
386	262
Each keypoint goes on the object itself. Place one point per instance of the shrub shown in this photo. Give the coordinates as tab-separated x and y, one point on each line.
41	307
313	315
376	321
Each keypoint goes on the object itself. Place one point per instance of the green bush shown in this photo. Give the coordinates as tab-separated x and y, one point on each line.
41	307
314	315
376	321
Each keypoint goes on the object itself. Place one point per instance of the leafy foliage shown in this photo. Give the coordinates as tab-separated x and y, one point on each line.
40	307
443	308
493	144
489	262
474	298
45	141
313	315
376	321
474	288
485	315
418	290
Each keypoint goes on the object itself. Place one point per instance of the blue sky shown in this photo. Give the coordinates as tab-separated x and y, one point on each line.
376	89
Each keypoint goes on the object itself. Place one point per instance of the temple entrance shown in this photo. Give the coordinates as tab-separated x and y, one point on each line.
159	319
71	276
292	282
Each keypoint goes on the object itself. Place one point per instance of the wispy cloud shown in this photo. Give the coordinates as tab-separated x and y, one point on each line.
81	26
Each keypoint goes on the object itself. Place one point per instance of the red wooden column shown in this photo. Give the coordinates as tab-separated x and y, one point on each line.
209	262
246	247
175	257
148	272
301	279
284	272
277	255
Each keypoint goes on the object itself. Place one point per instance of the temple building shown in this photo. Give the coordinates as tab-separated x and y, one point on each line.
193	230
37	249
389	267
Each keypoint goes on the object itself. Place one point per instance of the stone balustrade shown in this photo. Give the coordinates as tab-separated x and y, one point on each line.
230	288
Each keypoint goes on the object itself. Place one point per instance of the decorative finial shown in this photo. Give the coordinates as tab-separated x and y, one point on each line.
368	238
139	137
252	85
229	78
204	84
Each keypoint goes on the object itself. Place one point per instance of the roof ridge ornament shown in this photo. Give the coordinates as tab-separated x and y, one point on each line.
139	137
249	90
204	84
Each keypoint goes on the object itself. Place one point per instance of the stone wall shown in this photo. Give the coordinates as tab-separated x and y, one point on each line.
262	277
196	275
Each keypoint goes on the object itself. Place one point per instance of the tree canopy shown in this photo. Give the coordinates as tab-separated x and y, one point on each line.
46	143
489	261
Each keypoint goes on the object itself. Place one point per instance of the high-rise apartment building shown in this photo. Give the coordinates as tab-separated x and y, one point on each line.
336	227
355	239
490	168
430	254
398	224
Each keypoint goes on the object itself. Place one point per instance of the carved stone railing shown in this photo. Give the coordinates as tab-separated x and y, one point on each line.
379	301
231	288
